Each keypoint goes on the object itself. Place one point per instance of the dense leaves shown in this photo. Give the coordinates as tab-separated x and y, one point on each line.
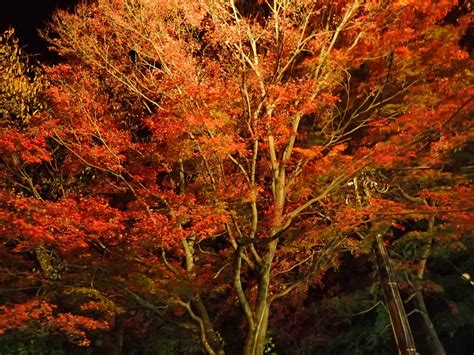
204	163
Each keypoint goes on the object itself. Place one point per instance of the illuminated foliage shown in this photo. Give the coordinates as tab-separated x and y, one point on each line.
212	157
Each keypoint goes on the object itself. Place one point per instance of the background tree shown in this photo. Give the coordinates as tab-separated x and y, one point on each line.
21	83
30	264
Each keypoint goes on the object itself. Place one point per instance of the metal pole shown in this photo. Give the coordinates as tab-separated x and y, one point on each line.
398	318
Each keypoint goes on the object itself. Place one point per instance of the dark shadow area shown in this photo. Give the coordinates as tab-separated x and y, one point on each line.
26	16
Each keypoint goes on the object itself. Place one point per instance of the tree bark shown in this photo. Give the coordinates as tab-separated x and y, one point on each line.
46	263
435	347
256	338
210	334
112	340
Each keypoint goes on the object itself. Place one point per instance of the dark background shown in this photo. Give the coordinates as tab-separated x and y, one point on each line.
26	16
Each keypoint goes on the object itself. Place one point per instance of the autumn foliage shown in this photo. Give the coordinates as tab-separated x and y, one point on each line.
201	161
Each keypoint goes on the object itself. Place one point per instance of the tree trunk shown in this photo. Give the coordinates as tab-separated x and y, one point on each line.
256	338
46	263
209	337
398	318
435	347
112	340
210	334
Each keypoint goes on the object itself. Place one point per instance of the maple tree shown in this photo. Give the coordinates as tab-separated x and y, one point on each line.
24	221
203	156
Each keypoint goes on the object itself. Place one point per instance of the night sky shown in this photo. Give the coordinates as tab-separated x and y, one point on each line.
26	16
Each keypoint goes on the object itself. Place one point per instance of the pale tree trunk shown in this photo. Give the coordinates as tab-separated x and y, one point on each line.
198	312
214	344
256	338
256	335
257	319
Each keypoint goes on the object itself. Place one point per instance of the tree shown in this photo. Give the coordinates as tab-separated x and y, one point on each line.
21	83
28	261
208	141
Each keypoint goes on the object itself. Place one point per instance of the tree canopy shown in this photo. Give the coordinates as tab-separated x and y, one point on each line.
205	165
